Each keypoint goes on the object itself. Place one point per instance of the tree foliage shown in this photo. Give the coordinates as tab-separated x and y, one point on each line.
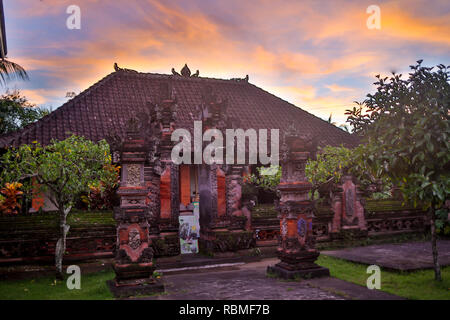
267	178
16	112
63	169
405	124
332	163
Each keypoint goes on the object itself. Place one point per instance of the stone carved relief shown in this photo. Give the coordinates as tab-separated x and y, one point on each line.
301	227
233	194
349	202
264	235
134	238
135	201
284	228
133	175
395	225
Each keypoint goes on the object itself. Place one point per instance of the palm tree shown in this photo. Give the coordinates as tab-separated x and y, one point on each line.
10	70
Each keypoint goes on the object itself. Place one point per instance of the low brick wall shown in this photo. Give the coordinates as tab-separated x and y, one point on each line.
32	239
383	218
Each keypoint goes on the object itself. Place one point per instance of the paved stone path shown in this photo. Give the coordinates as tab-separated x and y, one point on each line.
249	282
405	256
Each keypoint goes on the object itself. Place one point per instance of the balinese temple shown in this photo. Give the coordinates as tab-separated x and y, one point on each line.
138	110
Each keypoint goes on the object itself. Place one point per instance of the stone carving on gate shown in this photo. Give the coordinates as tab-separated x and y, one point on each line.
133	263
133	175
283	228
347	206
349	202
134	239
301	227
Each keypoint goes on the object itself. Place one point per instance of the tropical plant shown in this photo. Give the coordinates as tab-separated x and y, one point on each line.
267	178
102	194
9	199
63	169
406	127
16	112
344	127
10	71
330	165
330	121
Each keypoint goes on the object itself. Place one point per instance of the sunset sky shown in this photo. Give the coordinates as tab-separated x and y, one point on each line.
319	55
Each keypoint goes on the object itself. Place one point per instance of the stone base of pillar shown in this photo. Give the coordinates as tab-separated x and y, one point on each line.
134	287
287	271
134	279
298	265
125	272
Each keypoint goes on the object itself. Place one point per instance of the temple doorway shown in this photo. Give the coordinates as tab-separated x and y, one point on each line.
189	218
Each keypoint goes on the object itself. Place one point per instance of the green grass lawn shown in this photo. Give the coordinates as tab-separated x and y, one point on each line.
411	285
93	287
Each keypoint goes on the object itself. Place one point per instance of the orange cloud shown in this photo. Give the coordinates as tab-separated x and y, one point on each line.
34	96
399	23
306	97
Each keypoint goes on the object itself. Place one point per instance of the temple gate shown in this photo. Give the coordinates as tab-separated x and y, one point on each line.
296	250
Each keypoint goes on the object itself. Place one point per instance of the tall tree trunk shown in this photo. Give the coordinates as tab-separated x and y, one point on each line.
437	268
61	244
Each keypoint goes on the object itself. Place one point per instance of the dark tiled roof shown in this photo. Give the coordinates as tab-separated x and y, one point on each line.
105	108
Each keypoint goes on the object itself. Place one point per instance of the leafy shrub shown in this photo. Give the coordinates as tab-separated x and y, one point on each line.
102	194
10	198
332	163
262	186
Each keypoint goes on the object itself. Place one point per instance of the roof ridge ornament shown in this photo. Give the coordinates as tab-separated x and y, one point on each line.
185	72
117	68
240	79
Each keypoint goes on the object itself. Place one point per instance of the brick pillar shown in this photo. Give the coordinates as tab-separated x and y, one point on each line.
134	262
296	249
